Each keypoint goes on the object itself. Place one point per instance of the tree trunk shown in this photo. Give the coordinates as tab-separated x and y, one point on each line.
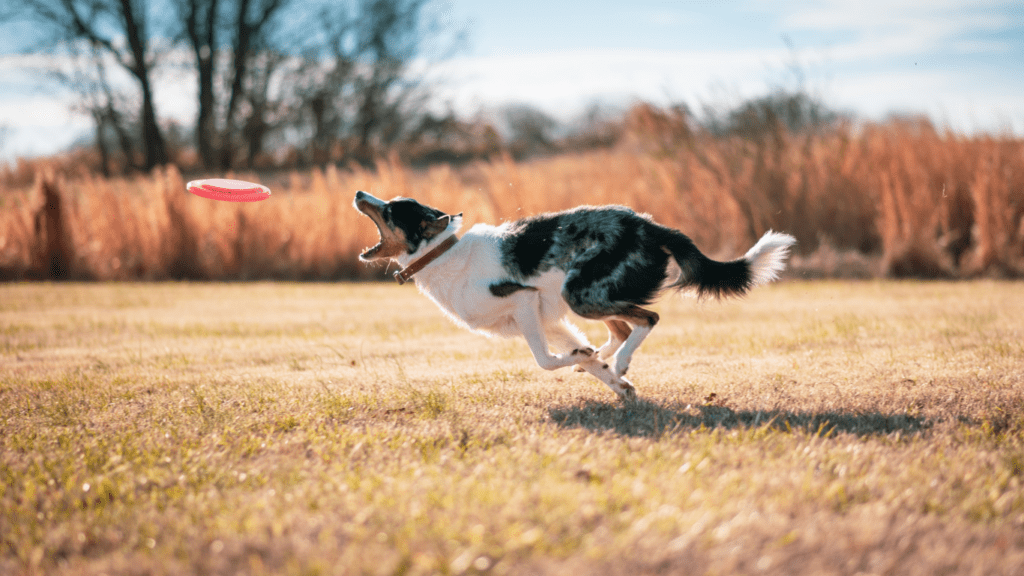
201	27
248	39
243	39
123	138
205	120
101	143
152	139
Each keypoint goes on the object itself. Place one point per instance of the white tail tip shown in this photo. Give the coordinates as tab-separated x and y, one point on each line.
768	257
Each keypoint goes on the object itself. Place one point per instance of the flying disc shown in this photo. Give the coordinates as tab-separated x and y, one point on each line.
228	190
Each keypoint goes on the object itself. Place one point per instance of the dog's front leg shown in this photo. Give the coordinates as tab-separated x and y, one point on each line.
597	368
528	320
593	363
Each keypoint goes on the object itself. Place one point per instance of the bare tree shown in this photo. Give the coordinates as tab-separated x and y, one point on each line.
118	28
235	32
251	22
258	110
357	84
199	20
88	77
347	79
390	39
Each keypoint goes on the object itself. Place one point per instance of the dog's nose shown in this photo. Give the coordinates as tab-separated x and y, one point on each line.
367	199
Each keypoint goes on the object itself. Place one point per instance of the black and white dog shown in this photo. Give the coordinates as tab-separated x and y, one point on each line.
524	277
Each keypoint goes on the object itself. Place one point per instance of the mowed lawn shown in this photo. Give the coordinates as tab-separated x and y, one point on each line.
810	428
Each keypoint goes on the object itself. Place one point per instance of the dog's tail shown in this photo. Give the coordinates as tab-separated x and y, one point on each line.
760	265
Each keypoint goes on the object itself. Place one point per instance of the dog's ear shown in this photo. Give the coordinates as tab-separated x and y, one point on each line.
434	227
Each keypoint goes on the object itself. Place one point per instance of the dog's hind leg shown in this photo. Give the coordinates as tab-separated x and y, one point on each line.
618	331
643	322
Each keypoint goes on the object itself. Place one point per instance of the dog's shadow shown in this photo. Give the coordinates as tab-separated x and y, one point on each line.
642	418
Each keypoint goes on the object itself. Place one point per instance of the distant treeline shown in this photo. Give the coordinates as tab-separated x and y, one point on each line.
320	79
282	84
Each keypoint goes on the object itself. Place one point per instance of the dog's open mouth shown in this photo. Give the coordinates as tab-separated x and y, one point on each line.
370	207
370	252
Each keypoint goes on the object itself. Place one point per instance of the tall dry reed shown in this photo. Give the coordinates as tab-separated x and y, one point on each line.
915	200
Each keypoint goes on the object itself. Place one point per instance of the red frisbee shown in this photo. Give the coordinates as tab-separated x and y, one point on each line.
228	190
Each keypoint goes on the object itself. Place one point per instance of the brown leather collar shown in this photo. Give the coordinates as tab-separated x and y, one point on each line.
406	273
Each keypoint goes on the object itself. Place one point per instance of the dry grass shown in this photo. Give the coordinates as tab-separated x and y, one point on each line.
813	428
897	199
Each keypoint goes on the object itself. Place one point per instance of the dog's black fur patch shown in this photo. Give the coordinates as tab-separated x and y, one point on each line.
648	269
612	256
528	242
410	216
507	288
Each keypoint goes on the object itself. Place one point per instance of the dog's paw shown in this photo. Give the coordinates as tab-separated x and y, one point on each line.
627	393
588	352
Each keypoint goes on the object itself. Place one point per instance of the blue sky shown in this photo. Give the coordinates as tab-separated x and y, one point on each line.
961	63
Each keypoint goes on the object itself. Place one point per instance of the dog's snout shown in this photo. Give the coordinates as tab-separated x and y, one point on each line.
366	199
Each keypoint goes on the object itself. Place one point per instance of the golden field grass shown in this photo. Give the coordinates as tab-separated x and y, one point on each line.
898	199
811	428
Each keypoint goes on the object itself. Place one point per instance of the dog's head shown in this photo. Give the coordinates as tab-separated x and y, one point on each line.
404	225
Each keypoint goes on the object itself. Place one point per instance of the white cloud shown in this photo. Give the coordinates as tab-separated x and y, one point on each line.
665	17
28	140
41	110
881	14
893	28
948	99
564	82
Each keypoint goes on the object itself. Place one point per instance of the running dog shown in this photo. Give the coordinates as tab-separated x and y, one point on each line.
523	277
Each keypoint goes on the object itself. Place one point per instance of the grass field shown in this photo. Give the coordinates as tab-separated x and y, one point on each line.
812	428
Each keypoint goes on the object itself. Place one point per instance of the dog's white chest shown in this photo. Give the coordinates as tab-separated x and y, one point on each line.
459	283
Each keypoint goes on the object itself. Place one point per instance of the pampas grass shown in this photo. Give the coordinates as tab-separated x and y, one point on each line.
914	200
